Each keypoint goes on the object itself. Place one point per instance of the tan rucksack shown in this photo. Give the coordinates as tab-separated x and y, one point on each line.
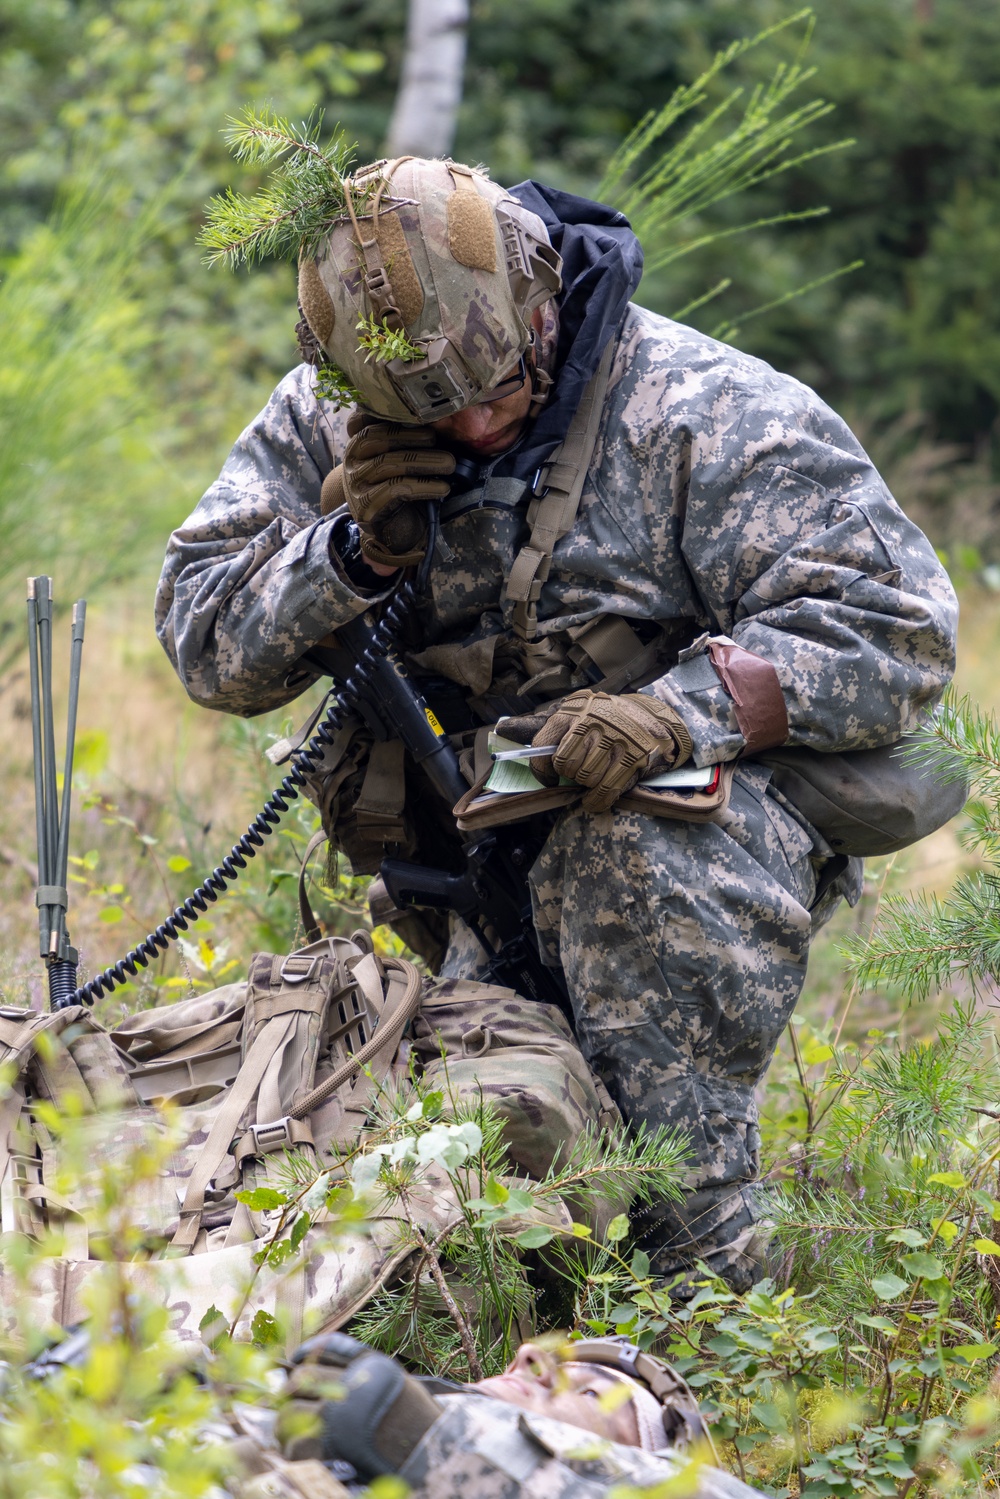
290	1060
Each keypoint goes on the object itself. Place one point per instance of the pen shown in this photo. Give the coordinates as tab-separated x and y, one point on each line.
528	753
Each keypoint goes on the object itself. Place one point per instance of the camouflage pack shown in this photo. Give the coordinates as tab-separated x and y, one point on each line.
290	1060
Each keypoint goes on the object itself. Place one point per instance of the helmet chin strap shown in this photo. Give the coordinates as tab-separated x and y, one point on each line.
541	380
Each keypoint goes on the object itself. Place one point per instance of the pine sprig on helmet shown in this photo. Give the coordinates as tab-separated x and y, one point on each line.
417	278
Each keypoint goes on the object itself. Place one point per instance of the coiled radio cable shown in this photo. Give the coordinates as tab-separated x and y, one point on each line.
385	637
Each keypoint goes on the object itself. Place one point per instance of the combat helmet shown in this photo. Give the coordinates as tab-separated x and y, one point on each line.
435	252
669	1400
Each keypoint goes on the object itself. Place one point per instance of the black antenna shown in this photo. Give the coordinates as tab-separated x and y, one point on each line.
51	820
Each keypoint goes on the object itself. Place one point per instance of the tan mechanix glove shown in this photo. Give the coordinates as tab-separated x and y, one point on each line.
351	1404
386	468
604	743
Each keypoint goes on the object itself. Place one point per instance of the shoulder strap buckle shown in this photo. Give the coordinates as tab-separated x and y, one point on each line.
299	968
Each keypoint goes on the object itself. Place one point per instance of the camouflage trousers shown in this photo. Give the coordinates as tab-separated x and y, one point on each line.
684	948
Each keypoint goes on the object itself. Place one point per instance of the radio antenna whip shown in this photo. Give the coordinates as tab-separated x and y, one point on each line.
51	818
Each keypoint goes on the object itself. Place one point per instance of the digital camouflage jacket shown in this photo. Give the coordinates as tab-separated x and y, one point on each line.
723	498
481	1448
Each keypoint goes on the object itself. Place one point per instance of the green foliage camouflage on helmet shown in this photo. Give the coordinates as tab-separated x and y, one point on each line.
449	264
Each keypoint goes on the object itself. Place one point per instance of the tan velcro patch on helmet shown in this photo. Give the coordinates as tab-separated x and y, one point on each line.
471	230
407	292
314	299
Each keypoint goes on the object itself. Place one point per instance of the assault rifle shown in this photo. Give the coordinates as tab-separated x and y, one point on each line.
491	894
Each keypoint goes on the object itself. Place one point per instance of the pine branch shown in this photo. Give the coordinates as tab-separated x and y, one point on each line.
258	138
729	330
684	99
307	192
921	943
649	1164
961	743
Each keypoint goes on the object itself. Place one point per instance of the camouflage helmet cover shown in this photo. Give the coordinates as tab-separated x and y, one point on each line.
436	250
682	1420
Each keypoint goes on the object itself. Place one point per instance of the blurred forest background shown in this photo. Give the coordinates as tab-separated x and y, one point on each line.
130	367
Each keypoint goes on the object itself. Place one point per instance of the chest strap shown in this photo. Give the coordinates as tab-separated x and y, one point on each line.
553	510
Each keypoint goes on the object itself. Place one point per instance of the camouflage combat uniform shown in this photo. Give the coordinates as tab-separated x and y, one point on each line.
482	1448
723	498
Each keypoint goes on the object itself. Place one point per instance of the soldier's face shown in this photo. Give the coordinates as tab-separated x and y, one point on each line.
579	1394
491	426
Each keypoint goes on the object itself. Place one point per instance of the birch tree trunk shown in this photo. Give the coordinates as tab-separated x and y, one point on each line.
430	85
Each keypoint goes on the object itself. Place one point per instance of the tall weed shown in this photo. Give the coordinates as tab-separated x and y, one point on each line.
77	460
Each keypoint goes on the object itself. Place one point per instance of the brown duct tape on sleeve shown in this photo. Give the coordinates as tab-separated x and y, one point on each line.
753	685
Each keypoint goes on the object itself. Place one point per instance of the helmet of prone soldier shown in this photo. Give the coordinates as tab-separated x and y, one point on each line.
668	1416
435	251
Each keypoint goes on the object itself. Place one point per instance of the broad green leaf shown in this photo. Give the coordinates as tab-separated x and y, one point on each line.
535	1237
768	1415
616	1230
300	1228
111	915
264	1330
432	1104
262	1199
581	1231
90	753
949	1179
946	1231
495	1192
907	1236
926	1266
520	1201
750	1441
722	1344
213	1325
973	1351
639	1267
881	1324
388	1486
177	864
816	1052
986	1246
888	1287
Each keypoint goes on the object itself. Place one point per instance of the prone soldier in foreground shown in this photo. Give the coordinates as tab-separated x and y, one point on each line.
654	553
355	1415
